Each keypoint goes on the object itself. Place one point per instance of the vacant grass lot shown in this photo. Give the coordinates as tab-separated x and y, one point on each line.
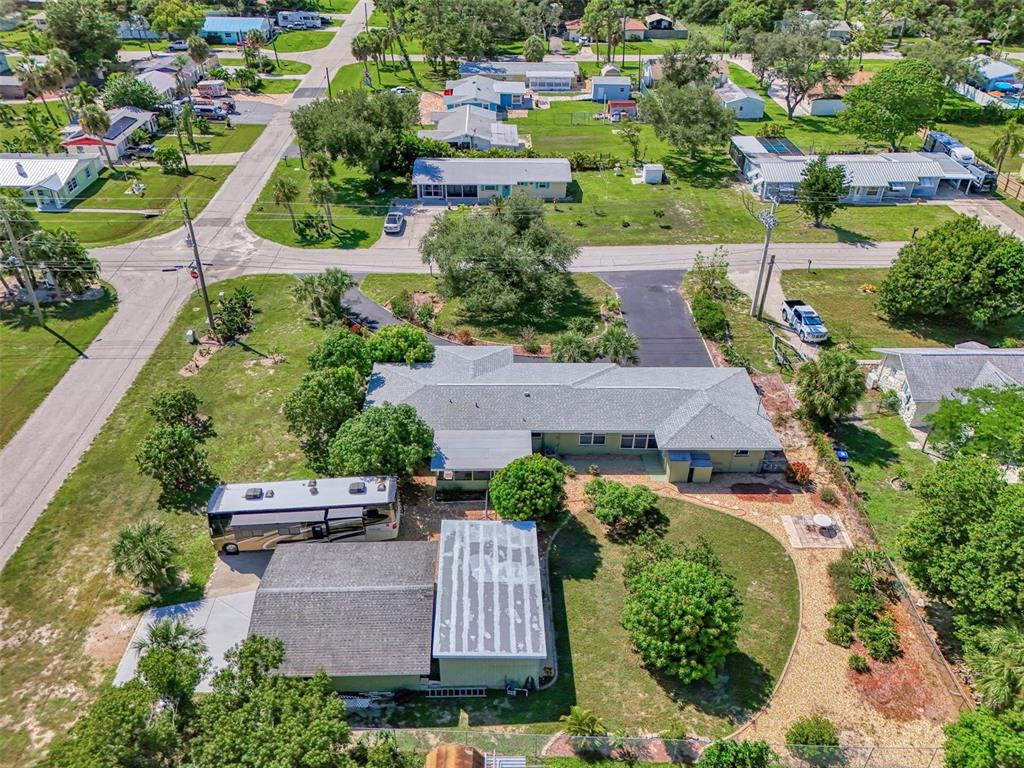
13	126
361	203
302	40
58	594
112	192
33	359
591	290
270	85
221	139
278	67
390	75
853	318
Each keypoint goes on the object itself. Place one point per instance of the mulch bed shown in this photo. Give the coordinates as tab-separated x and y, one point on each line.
762	493
774	393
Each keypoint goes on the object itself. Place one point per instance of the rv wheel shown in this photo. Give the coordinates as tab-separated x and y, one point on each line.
230	549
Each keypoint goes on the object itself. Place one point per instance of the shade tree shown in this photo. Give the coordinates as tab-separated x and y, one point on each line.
400	343
689	117
382	440
529	488
85	30
984	421
896	103
324	400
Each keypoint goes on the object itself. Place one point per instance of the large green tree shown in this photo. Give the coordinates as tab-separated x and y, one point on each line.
982	739
986	421
400	343
85	30
472	29
820	189
958	271
60	252
965	545
828	388
683	618
689	117
315	411
180	18
324	295
383	440
254	717
507	266
895	103
124	90
692	64
529	488
342	348
174	457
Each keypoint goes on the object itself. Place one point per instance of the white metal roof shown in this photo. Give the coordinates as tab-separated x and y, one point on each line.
486	170
611	80
866	170
468	450
748	145
489	597
730	93
503	68
26	171
303	494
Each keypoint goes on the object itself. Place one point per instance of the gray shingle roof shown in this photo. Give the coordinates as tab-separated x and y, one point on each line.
460	122
489	170
481	388
489	602
360	608
933	374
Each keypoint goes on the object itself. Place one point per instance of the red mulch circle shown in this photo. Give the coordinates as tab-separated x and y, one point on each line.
767	493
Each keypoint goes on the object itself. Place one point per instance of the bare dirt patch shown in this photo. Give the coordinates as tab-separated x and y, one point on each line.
109	636
206	349
430	103
763	493
266	361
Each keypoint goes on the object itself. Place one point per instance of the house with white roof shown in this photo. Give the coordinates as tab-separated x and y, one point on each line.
745	103
487	410
537	75
49	182
124	121
923	376
469	179
469	127
498	96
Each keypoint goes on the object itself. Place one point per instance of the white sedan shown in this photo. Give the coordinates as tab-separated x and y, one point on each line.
402	90
393	223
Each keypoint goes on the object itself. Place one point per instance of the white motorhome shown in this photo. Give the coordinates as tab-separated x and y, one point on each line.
259	516
307	19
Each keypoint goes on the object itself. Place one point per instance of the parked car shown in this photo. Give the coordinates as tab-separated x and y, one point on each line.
393	223
210	112
177	45
804	321
144	150
402	90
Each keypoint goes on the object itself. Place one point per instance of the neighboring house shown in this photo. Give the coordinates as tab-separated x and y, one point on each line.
169	74
923	376
538	76
233	29
481	178
472	128
137	28
486	410
359	611
653	71
38	20
609	70
11	87
745	103
48	182
888	177
124	121
10	21
621	107
659	21
573	30
633	30
610	88
827	99
989	72
461	756
498	96
165	84
306	18
830	29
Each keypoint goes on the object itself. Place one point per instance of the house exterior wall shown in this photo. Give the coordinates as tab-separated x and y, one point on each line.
364	683
635	34
889	374
747	109
826	107
491	673
552	191
46	200
667	34
604	92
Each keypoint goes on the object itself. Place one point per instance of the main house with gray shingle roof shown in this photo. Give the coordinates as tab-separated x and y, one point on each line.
923	376
486	410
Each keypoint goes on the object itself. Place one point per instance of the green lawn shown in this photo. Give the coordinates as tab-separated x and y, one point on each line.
12	125
598	668
591	290
878	446
302	40
351	76
111	191
237	138
278	85
358	214
853	318
336	6
59	585
140	45
282	67
33	358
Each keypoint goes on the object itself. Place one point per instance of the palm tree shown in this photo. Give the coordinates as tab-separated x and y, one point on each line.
180	62
44	135
322	193
185	116
144	552
572	347
1009	142
997	658
172	634
828	388
254	42
363	49
36	81
198	51
286	192
96	122
581	725
324	294
618	345
320	166
381	43
59	69
81	96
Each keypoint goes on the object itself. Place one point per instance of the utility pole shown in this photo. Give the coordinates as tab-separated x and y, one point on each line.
764	288
327	74
767	218
26	274
198	262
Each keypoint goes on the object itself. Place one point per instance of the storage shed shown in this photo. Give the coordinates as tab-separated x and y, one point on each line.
489	625
610	88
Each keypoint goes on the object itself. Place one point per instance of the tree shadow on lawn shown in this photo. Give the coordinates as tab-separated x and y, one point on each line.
576	304
23	318
867	447
706	171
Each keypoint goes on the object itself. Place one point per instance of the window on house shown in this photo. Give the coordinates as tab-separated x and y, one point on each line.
462	475
542	185
482	475
638	441
742	452
536	435
88	173
591	438
72	185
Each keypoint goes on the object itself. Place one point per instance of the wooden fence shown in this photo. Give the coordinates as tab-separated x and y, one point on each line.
1010	187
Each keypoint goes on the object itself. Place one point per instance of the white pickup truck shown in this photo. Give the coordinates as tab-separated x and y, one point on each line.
804	321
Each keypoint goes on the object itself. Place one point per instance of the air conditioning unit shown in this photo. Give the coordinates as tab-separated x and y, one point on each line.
357	487
252	494
449	475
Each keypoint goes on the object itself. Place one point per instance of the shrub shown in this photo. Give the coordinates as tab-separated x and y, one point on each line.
890	401
382	440
172	456
570	470
858	663
880	637
529	488
180	406
828	495
528	338
771	130
868	288
234	314
734	358
463	336
620	507
170	160
312	225
594	470
425	314
342	348
402	305
725	753
799	473
839	634
400	343
813	737
709	315
591	161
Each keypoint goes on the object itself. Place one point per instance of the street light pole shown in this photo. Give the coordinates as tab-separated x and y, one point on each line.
768	219
198	262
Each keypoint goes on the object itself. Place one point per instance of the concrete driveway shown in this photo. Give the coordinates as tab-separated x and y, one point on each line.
659	317
418	218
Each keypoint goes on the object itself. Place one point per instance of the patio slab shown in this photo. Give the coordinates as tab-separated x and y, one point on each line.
804	534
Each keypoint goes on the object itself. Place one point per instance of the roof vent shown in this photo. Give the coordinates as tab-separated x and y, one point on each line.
382	484
312	487
357	487
270	494
21	169
252	494
526	394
